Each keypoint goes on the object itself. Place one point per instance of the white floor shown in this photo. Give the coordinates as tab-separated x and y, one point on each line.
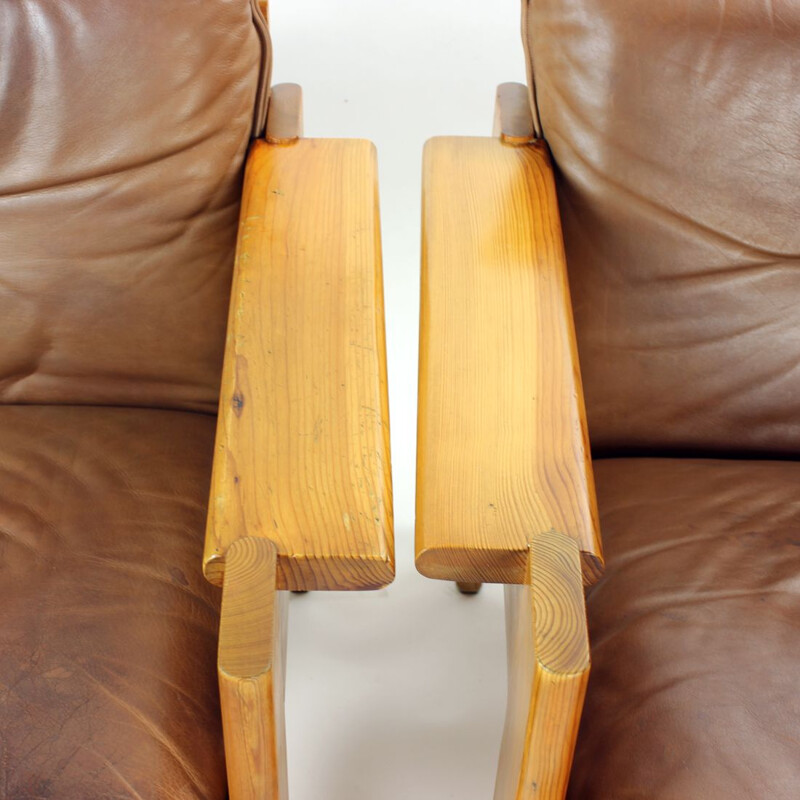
398	693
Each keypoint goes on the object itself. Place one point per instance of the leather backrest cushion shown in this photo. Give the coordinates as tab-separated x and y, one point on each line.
675	127
123	128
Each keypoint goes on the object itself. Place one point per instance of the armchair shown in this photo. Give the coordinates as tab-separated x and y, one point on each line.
125	673
660	140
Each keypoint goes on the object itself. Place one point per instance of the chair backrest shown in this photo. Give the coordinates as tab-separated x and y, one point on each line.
123	128
675	127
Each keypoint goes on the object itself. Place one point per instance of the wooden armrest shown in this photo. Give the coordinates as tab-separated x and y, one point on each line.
301	481
302	448
505	491
503	451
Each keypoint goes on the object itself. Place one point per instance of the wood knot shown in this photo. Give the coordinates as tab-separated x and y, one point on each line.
237	401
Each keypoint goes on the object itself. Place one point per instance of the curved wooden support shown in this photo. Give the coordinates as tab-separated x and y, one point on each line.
468	588
548	669
251	658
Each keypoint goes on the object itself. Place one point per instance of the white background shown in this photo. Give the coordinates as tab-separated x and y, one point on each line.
398	693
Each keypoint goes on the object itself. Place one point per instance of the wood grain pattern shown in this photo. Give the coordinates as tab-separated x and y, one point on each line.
548	669
252	655
513	125
513	121
502	443
302	449
285	115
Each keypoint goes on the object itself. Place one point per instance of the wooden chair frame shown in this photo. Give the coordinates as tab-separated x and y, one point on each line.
301	483
505	491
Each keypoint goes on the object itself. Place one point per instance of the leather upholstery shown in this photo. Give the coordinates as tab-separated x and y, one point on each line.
695	632
674	127
123	130
674	130
108	629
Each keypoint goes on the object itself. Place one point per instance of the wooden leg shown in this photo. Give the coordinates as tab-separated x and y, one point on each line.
548	668
468	588
251	659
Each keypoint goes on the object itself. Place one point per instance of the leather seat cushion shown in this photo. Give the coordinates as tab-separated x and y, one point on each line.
695	632
108	629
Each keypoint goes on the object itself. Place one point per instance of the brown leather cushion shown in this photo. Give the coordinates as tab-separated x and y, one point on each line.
108	629
695	633
674	125
123	130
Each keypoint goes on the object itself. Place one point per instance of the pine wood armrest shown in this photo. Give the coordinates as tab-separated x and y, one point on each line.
301	494
302	448
505	492
502	445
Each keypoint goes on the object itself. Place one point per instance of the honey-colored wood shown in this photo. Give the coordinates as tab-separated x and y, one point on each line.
502	443
513	121
548	669
513	125
285	114
302	448
252	655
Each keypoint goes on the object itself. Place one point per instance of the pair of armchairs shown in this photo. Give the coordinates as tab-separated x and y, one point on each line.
675	178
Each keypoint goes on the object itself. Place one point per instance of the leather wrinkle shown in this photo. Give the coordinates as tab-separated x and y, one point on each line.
167	182
77	686
673	133
658	210
169	744
694	630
